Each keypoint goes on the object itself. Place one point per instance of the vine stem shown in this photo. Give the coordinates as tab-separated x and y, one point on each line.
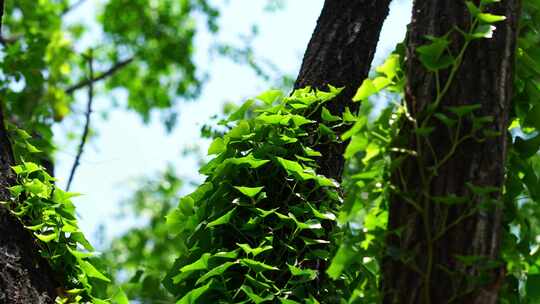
427	181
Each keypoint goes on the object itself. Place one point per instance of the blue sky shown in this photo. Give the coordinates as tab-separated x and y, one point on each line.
125	149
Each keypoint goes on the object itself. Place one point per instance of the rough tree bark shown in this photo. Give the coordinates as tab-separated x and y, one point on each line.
485	78
340	53
25	277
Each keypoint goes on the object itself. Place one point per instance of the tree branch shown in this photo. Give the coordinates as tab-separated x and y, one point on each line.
86	130
72	7
111	71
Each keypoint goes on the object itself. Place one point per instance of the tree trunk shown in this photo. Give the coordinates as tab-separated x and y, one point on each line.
425	242
25	277
340	53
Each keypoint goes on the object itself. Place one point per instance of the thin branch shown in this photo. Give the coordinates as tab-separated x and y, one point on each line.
72	7
90	81
88	115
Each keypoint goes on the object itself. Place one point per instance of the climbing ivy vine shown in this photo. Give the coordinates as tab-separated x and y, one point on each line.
49	214
259	228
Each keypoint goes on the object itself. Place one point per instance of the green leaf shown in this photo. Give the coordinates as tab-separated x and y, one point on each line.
219	270
322	215
257	266
274	119
449	122
91	271
490	18
81	239
240	130
270	96
46	237
264	213
200	264
424	131
287	301
192	296
327	116
219	145
254	297
390	66
343	258
295	168
254	251
483	31
241	112
365	90
120	297
381	83
249	191
358	143
300	120
357	127
473	9
224	219
248	160
432	55
311	153
464	110
37	188
309	273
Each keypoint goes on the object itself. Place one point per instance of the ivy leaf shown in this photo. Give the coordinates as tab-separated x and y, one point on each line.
91	271
365	90
254	251
424	131
294	168
120	297
287	301
472	8
240	130
241	112
432	55
295	271
341	260
254	297
358	143
219	270
219	145
483	31
270	96
490	18
257	266
249	191
192	296
200	264
449	122
461	111
224	219
327	116
390	66
248	160
46	237
37	188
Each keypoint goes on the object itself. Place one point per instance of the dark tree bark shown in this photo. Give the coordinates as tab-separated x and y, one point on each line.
422	263
25	277
340	53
